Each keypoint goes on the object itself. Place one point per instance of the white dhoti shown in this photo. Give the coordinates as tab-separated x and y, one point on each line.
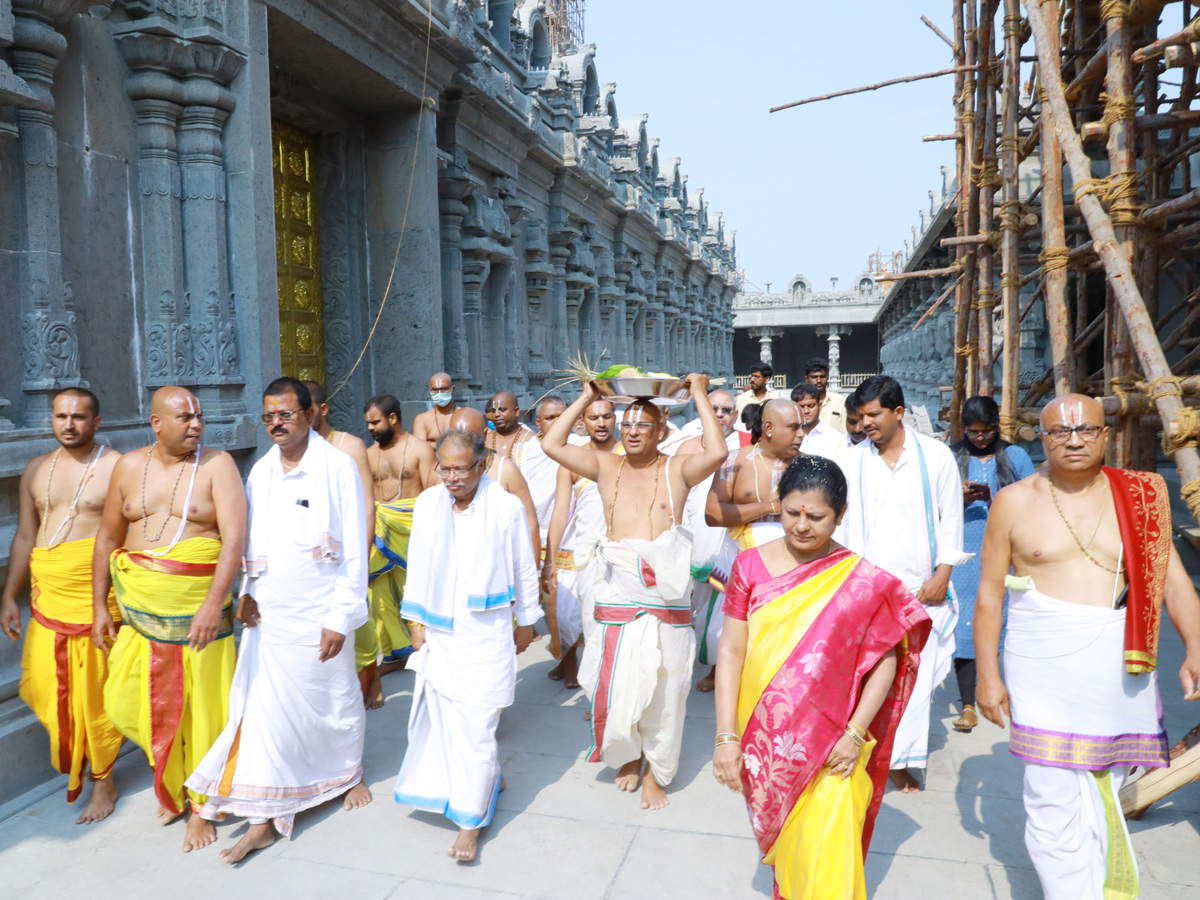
713	553
452	765
294	738
1080	721
637	665
911	748
568	612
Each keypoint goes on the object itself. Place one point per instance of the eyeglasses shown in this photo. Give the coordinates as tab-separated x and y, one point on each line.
283	415
982	435
724	410
1088	433
453	473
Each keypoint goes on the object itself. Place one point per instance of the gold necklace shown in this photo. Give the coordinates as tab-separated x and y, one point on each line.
87	473
617	490
1079	543
170	504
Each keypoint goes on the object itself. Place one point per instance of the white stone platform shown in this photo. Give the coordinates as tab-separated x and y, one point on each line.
563	831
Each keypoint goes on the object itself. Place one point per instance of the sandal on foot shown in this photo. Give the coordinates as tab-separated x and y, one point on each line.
967	720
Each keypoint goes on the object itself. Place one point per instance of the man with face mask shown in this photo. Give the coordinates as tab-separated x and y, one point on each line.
170	544
429	425
744	496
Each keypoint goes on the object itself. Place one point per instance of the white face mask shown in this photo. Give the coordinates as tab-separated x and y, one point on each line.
441	398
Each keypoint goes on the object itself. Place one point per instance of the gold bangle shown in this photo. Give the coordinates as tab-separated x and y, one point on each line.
859	731
854	736
726	740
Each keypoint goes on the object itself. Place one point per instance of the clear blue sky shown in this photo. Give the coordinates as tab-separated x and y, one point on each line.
813	189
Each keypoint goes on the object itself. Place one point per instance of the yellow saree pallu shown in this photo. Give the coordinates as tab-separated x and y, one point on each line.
385	633
62	671
168	699
814	634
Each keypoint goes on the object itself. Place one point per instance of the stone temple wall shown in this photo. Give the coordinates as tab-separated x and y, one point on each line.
469	195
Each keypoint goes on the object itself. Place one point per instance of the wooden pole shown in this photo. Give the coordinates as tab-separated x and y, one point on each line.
1116	263
936	303
986	291
870	87
966	217
1054	238
1010	235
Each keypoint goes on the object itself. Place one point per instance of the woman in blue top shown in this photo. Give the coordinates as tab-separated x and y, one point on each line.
986	464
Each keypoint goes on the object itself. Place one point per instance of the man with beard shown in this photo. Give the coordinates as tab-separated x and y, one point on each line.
637	668
905	515
578	515
429	425
758	390
62	671
172	536
296	724
499	469
366	640
402	466
744	495
713	550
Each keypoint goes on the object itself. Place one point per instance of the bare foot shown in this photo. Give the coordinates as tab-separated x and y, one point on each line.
905	782
396	665
570	666
708	683
556	674
587	716
200	833
628	775
257	837
654	795
357	797
165	816
465	846
101	804
503	784
372	687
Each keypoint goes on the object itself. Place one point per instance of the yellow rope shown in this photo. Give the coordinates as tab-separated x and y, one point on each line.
1053	259
1164	386
1012	26
1114	9
970	349
986	299
1123	386
1011	279
1191	496
1119	190
1186	435
1010	215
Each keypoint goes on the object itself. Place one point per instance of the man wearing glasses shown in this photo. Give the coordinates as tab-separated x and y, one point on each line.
170	544
471	571
1082	690
638	667
296	725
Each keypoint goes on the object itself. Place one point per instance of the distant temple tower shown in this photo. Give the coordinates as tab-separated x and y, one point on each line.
565	20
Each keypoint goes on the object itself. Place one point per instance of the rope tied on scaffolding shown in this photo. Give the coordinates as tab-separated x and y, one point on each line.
985	299
1011	279
1113	9
1117	109
1191	496
1012	26
1163	386
1010	215
987	172
1187	434
968	349
1123	386
1053	259
1119	190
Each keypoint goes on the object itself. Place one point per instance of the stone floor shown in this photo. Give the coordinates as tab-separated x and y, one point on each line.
563	831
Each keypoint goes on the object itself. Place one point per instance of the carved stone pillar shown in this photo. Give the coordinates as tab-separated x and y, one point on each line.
834	333
453	189
13	90
766	337
50	345
474	274
538	273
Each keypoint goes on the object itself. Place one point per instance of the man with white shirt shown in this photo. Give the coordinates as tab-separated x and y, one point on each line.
905	515
819	438
296	725
833	404
471	570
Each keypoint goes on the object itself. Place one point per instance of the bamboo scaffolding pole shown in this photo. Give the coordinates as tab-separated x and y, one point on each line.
1010	235
1054	256
933	307
938	32
953	70
966	217
921	273
986	291
1116	263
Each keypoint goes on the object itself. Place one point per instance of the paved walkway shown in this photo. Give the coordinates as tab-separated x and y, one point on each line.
563	831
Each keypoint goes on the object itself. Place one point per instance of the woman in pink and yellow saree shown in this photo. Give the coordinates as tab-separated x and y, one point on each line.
816	664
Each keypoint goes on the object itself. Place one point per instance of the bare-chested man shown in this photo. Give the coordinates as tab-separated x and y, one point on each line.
578	516
1092	563
743	495
713	549
402	466
429	425
501	471
518	443
61	503
637	668
366	641
173	532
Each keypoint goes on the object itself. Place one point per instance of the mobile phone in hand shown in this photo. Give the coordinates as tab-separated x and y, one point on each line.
982	491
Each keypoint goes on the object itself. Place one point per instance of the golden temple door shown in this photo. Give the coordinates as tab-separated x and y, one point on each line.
298	254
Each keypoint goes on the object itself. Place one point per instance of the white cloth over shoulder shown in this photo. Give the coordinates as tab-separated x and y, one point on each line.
541	474
306	560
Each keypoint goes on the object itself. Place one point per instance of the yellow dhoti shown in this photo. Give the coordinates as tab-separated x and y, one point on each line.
385	634
167	698
62	671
